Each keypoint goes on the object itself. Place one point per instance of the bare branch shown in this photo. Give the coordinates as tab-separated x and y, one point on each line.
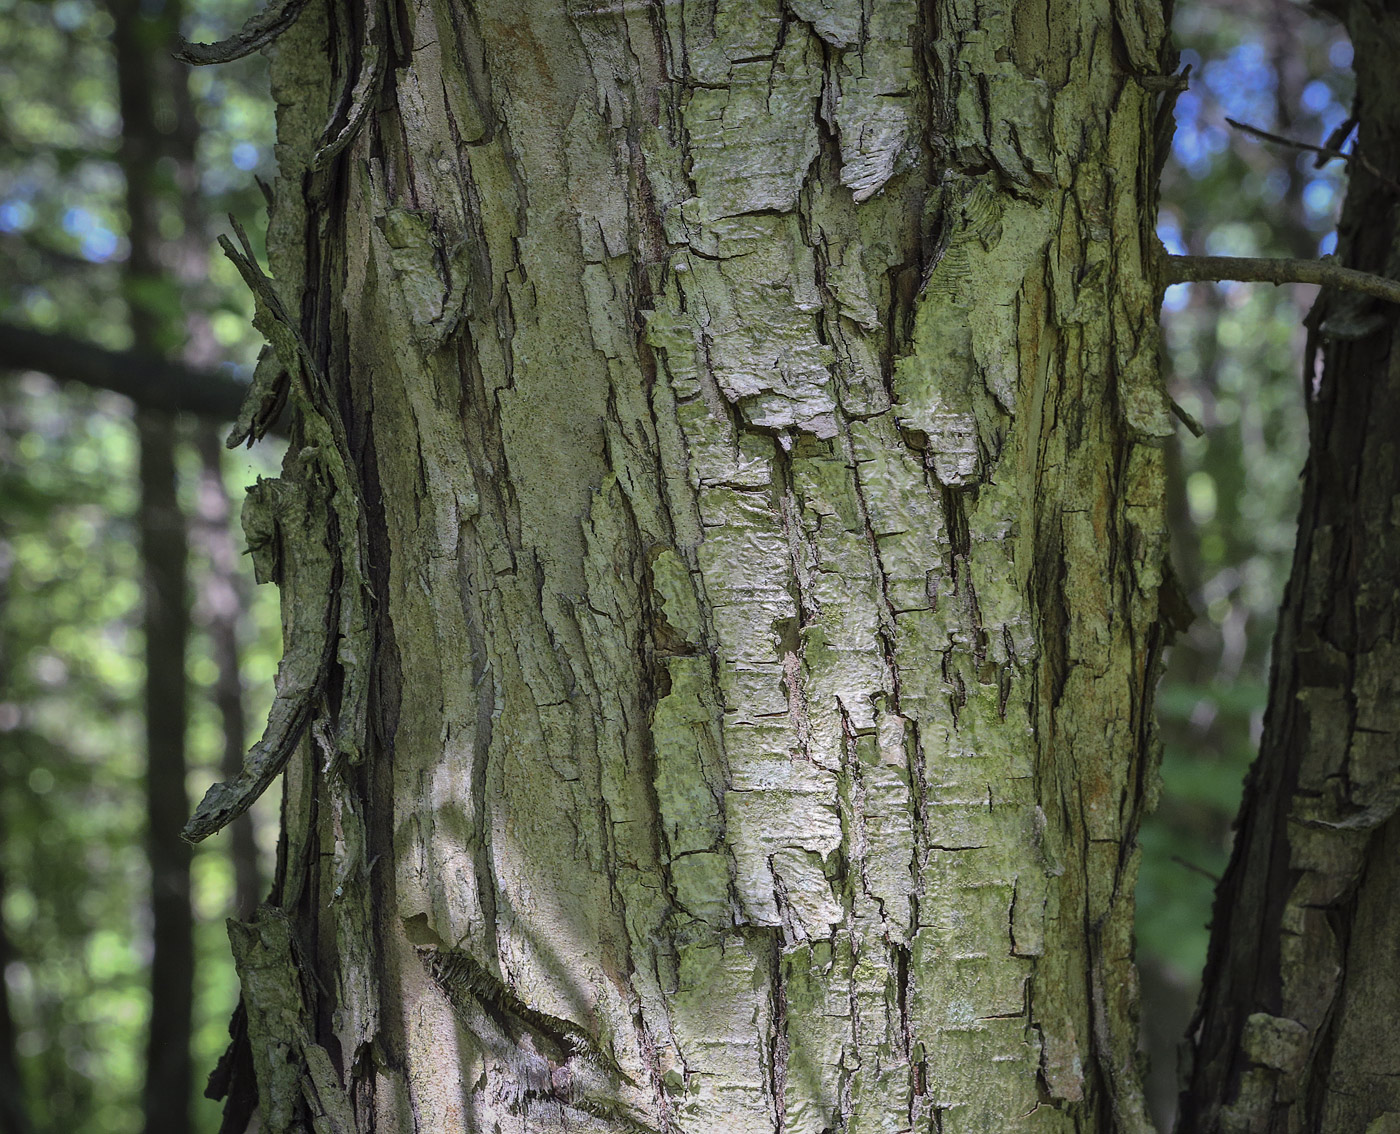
261	27
152	383
1277	270
1265	136
1326	152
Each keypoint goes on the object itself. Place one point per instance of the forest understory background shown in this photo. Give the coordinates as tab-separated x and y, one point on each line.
108	213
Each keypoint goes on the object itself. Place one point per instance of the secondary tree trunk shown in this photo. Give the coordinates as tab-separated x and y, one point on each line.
720	547
220	608
138	40
1297	1025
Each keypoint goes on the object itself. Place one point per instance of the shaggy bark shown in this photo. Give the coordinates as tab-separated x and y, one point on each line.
720	547
1296	1029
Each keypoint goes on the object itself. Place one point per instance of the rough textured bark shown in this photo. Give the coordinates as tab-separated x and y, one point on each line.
731	436
1296	1030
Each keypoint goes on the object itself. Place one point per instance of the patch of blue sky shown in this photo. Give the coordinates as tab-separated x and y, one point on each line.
1195	145
1319	198
16	216
1317	96
77	221
1169	233
96	242
245	156
99	245
1177	296
1245	84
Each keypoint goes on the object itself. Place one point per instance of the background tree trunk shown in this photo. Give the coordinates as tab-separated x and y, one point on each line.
222	600
732	435
141	42
165	619
1296	1029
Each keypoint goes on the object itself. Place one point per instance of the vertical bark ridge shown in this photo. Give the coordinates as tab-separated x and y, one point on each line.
760	406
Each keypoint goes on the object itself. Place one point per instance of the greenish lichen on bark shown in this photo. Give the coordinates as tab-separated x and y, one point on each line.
754	417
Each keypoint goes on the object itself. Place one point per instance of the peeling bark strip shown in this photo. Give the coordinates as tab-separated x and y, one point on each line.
305	532
756	422
260	29
1297	1026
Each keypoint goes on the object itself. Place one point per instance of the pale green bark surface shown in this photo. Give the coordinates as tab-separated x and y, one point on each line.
752	418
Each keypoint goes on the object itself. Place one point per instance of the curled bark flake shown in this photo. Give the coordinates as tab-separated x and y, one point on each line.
320	431
270	314
283	511
261	28
320	421
263	403
360	99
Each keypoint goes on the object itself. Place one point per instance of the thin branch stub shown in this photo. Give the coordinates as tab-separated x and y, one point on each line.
1277	270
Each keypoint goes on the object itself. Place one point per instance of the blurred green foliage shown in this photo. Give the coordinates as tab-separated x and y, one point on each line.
71	759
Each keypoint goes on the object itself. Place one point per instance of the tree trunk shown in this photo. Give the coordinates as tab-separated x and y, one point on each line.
729	438
166	1092
1296	1029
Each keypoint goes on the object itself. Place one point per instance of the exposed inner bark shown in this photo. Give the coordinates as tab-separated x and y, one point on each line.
747	518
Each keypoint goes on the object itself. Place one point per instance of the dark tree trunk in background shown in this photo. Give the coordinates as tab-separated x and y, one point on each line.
143	43
164	551
1299	1023
222	601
